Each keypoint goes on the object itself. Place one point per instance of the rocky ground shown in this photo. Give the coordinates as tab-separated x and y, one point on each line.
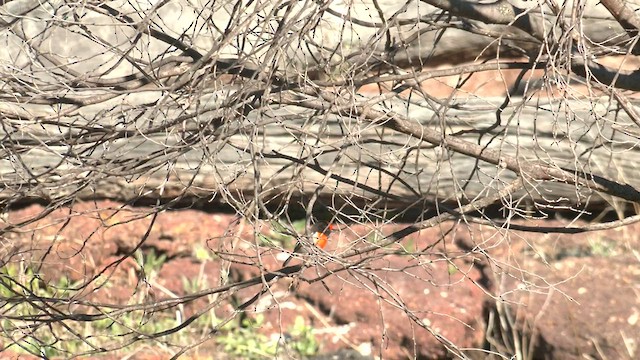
481	289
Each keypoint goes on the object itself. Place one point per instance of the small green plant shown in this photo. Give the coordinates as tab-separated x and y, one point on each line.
202	254
246	343
602	247
17	280
58	339
452	269
150	262
304	342
191	285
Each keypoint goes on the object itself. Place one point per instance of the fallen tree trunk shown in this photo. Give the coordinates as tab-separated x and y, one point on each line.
288	152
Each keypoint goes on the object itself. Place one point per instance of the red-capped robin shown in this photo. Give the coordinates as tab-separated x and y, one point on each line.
319	237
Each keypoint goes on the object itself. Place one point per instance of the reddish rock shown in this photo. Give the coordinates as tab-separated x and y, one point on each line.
379	307
585	307
593	311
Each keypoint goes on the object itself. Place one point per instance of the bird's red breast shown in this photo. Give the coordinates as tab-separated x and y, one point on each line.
321	237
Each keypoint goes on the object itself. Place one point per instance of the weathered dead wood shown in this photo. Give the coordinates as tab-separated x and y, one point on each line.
99	137
345	159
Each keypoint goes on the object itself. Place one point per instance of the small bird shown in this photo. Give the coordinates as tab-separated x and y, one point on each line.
319	237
